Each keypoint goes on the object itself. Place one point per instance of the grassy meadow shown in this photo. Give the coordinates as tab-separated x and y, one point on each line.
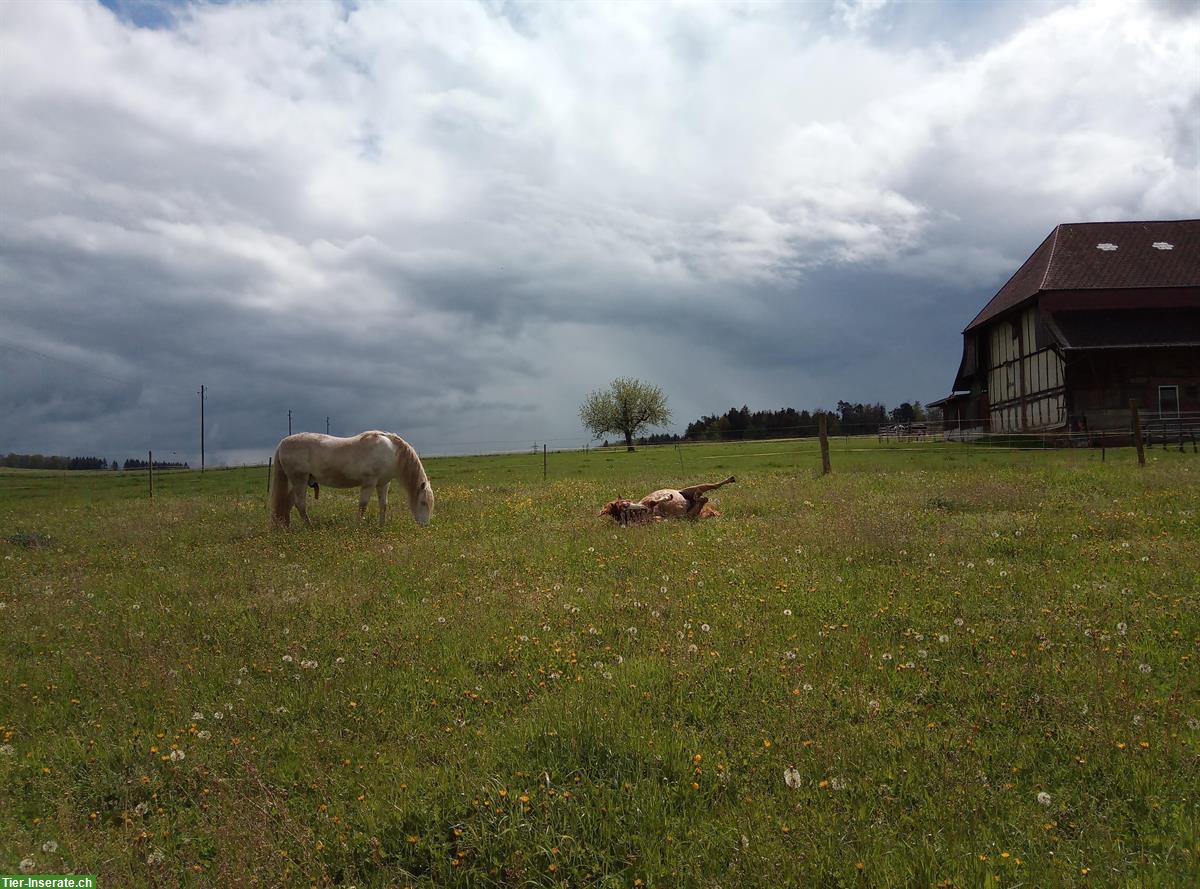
940	666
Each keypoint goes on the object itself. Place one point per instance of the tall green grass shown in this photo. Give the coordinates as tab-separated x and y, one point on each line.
938	666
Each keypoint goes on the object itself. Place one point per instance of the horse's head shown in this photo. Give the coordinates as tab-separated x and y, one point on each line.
420	502
613	508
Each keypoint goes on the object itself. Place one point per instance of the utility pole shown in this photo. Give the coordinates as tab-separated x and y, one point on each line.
326	425
289	422
202	391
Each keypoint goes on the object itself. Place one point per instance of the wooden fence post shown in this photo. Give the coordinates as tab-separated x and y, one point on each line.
269	459
822	431
150	464
1137	431
544	471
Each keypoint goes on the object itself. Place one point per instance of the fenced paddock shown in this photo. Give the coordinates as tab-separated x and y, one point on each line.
939	663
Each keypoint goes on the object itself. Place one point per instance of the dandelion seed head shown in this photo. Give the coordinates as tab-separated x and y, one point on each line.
50	846
1043	798
791	777
27	865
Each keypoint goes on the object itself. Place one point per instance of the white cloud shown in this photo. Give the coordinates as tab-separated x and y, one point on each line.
487	190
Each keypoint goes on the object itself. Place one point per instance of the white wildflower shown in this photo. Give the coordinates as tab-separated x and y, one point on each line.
1143	668
176	755
1122	628
791	777
204	735
50	846
27	865
943	638
787	612
1043	798
155	858
287	658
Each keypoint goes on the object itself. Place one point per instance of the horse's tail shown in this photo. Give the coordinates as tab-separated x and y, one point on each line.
281	495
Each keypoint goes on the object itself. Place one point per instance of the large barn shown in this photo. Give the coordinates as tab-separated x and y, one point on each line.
1101	313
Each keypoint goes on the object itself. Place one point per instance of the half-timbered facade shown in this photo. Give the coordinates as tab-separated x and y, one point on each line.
1100	314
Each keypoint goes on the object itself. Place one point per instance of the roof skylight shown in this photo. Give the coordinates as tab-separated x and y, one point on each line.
1106	247
1162	245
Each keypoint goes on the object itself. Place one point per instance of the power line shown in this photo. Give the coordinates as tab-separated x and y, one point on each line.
76	364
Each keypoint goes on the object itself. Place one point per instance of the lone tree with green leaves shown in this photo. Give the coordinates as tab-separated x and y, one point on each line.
627	406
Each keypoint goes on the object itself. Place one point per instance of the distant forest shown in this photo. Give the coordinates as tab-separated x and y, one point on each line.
742	423
158	464
43	461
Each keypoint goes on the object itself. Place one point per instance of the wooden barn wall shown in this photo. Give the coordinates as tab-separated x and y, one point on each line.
1025	382
1102	382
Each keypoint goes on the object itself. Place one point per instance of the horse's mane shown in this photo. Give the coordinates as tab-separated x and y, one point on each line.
409	464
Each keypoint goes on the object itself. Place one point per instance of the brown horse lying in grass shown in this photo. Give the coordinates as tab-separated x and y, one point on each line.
668	503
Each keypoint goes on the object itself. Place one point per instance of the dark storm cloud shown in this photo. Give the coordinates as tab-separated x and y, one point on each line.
453	220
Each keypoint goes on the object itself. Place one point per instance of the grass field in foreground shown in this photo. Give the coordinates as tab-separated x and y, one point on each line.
938	666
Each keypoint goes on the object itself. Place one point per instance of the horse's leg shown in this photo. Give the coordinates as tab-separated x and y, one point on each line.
381	491
696	507
364	497
696	490
301	496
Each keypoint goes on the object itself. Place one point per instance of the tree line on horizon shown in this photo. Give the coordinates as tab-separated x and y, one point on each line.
53	461
741	423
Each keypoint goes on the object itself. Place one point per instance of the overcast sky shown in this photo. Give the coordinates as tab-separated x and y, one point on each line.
454	220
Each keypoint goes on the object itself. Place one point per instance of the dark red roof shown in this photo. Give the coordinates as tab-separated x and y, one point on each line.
1080	256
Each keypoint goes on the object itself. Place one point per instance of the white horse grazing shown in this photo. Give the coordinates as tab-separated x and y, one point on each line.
369	461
